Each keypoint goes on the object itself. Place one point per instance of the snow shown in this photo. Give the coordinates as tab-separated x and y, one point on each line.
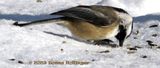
135	7
30	44
45	7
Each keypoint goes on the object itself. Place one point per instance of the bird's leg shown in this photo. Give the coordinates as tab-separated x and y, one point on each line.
103	42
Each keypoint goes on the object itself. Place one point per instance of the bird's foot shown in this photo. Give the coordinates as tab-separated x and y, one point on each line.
102	42
105	42
20	25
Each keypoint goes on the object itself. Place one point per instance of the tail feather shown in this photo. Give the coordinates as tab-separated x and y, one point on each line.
16	24
36	22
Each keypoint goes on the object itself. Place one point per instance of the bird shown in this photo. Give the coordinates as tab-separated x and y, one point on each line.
93	23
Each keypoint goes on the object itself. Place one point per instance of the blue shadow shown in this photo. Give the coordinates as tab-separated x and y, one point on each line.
17	17
146	18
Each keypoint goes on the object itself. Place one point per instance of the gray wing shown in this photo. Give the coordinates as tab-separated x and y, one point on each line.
85	13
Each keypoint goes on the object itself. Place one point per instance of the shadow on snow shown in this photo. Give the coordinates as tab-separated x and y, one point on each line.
18	17
146	18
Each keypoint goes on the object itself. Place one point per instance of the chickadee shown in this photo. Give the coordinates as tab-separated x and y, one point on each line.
94	22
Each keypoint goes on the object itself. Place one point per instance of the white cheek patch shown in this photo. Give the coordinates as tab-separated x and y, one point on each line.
129	29
126	21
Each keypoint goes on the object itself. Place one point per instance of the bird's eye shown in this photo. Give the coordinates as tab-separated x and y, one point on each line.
122	21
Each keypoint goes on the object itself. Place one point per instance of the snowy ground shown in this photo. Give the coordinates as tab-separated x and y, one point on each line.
21	47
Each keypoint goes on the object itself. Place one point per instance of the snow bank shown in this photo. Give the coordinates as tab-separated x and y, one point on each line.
32	7
135	7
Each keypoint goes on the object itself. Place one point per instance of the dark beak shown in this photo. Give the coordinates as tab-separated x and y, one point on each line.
121	42
121	35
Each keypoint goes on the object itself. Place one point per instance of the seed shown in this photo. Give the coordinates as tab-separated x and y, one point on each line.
153	26
137	32
135	38
149	41
154	35
138	47
144	56
153	44
106	51
131	52
158	47
64	42
39	0
62	50
12	59
20	62
93	59
133	48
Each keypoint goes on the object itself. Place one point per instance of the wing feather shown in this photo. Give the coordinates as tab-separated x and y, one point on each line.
89	14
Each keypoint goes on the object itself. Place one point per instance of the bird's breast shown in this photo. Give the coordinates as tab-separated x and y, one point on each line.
87	31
